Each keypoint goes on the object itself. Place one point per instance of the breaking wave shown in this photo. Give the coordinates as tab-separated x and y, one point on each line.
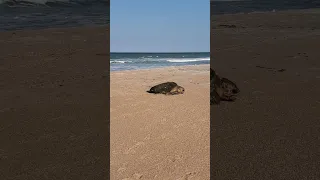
131	61
51	3
157	60
183	60
121	62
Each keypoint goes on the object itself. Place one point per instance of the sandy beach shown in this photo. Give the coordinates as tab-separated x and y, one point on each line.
54	106
158	136
271	131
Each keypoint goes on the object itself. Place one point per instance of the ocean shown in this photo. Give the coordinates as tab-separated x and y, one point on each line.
248	6
134	61
38	14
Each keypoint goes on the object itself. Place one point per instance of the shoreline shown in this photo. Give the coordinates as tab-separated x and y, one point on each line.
309	10
157	68
270	11
84	27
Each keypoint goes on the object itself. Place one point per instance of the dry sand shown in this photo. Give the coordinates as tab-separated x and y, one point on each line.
158	136
54	104
272	130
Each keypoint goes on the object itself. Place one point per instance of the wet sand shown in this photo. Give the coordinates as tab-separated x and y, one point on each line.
54	106
158	136
271	131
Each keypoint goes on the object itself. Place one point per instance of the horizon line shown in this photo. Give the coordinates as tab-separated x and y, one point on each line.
165	52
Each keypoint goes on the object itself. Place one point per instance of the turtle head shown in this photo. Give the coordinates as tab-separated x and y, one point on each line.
180	89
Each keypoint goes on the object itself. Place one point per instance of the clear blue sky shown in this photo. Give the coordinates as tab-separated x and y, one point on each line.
160	26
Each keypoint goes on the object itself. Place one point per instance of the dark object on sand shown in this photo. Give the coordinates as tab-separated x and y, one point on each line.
271	69
167	88
221	89
228	26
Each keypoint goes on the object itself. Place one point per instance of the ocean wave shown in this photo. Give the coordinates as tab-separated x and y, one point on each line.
118	61
185	60
158	60
51	3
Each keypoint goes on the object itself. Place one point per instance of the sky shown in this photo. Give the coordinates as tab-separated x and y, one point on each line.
160	26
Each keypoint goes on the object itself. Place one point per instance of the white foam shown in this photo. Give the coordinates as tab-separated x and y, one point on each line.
122	62
34	1
182	60
43	2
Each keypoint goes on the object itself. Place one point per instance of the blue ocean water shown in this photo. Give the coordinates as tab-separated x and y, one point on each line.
133	61
37	14
247	6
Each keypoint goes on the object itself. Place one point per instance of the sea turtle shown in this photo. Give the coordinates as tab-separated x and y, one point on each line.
222	89
167	88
